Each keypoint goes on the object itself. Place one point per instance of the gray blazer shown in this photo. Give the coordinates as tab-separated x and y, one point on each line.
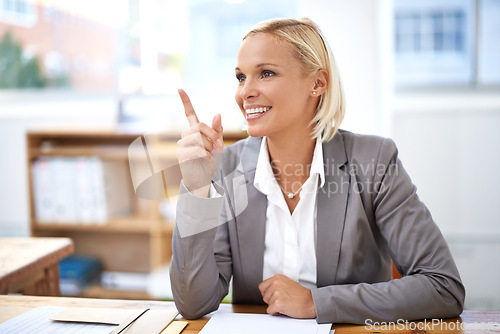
368	213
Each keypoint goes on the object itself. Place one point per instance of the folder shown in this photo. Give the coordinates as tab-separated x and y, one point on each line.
129	321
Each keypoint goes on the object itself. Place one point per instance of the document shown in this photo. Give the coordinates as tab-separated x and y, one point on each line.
110	316
37	321
83	320
244	323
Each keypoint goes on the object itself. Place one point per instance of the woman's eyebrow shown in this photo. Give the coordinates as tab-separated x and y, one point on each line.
267	64
260	65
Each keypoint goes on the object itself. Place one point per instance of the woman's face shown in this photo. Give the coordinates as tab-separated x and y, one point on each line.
273	93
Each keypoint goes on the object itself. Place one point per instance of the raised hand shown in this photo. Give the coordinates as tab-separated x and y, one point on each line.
199	150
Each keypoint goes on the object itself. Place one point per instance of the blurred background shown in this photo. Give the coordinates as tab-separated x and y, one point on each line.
425	73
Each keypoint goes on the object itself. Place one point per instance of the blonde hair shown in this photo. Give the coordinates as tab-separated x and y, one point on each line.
314	54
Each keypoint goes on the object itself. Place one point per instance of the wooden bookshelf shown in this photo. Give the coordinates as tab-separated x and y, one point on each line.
137	242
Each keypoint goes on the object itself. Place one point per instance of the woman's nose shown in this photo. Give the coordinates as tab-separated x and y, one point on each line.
249	90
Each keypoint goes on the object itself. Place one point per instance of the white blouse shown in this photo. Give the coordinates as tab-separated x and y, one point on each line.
290	241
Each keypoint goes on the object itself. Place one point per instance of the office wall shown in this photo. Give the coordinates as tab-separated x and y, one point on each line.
450	144
359	42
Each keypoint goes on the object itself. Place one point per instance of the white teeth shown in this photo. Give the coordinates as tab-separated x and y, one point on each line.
257	110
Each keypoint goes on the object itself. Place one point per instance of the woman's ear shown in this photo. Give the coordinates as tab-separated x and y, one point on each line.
320	82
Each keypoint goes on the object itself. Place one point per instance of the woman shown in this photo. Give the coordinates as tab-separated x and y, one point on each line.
308	217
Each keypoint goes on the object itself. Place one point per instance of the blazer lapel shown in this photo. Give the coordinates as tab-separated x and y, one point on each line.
251	222
332	205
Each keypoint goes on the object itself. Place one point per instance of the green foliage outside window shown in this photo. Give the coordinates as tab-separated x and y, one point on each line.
18	72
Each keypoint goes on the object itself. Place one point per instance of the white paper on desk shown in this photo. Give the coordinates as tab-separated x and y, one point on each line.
244	323
37	321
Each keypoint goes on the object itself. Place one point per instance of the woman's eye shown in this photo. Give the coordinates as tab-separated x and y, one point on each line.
240	77
267	74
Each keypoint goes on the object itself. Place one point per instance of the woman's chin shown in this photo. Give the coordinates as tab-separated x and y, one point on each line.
254	131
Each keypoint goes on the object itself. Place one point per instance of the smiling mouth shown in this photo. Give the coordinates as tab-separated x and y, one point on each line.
254	112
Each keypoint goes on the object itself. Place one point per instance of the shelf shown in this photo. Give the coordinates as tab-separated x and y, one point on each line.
97	291
161	151
139	242
109	152
115	225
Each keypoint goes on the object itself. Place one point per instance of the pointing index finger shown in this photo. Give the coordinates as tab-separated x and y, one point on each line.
188	108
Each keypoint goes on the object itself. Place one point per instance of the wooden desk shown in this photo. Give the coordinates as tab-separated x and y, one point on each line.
30	265
11	306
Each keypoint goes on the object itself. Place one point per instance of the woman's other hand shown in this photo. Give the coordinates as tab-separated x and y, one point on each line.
199	150
285	296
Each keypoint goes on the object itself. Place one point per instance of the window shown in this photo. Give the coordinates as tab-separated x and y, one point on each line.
436	31
216	28
489	42
18	12
446	42
434	42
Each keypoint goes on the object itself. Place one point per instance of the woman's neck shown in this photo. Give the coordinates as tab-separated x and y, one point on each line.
291	157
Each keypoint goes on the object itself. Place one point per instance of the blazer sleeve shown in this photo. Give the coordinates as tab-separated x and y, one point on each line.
431	286
199	274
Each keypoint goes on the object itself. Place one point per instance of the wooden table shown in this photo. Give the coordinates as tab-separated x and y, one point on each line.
30	265
11	306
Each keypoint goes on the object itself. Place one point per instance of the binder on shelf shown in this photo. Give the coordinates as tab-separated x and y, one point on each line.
116	180
97	191
77	272
42	191
129	281
62	178
84	200
81	190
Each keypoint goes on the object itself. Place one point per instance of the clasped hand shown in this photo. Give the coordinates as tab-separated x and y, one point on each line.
285	296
